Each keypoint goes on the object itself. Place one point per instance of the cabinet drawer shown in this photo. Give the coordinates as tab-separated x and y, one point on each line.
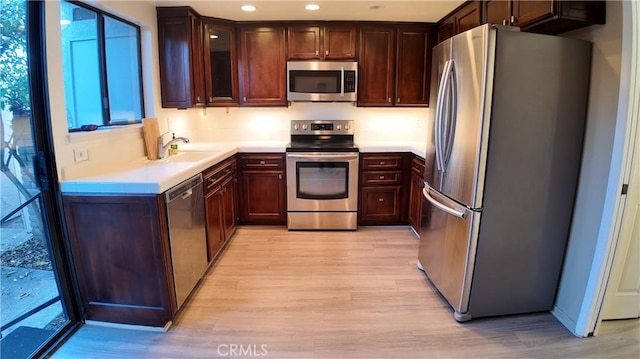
372	178
215	175
380	205
262	161
381	162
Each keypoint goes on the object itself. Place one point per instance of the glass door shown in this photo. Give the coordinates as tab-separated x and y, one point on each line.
36	305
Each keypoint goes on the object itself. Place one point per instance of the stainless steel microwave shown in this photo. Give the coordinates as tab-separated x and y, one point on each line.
322	81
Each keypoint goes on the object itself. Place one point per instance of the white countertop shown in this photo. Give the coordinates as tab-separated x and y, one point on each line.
154	177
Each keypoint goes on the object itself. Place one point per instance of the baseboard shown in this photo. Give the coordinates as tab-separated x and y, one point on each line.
145	328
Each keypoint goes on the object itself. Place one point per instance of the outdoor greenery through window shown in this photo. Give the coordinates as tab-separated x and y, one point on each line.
101	65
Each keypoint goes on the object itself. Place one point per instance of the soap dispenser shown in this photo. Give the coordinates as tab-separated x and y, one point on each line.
174	146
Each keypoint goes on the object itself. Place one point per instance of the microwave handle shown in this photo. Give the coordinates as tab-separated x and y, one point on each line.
342	81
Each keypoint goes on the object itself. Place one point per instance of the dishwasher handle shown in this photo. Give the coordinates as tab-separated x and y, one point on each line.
183	190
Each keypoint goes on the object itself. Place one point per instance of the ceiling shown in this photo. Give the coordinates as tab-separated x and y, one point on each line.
416	10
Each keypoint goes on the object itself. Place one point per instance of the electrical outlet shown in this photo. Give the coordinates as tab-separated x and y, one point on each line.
80	154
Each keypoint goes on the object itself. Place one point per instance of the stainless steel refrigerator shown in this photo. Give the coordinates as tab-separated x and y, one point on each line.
504	147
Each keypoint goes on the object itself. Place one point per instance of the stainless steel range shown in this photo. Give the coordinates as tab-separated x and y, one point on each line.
322	176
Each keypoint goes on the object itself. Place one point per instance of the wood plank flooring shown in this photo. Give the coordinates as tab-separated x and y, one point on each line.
280	294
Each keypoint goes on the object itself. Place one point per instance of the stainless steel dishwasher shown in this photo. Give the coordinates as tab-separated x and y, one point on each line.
187	235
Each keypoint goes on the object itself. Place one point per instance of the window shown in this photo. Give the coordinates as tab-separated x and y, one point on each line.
101	67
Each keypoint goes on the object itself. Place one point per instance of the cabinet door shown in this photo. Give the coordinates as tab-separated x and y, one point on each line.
197	67
380	205
263	59
303	43
376	62
262	197
447	28
527	12
220	64
468	17
213	212
174	49
229	207
497	12
339	42
414	67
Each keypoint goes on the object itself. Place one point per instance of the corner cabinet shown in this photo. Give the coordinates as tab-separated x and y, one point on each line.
220	63
394	65
262	188
263	64
180	52
321	42
120	250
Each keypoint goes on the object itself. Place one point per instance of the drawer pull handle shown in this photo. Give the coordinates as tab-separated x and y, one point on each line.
380	199
381	163
381	177
261	162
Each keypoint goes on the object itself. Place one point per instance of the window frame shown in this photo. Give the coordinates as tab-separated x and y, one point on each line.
102	64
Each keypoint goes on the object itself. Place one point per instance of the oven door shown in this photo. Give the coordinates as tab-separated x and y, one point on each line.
321	181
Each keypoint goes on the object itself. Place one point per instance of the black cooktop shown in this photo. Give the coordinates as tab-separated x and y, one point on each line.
321	145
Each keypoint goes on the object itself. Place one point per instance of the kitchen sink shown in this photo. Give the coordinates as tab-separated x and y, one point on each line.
189	156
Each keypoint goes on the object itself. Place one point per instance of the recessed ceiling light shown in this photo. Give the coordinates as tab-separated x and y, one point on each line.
248	8
65	22
312	7
213	36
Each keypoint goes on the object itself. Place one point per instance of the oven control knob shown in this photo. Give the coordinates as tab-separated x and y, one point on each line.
296	127
346	127
304	127
339	127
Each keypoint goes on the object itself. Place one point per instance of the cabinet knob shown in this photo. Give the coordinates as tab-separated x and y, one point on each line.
504	22
317	52
244	99
513	19
381	177
279	177
261	162
197	98
210	99
398	100
389	99
380	199
381	163
326	53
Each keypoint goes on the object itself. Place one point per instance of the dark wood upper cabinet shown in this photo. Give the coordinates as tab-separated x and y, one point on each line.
339	42
376	65
262	66
394	65
304	43
220	63
497	12
413	66
544	16
321	42
180	52
462	19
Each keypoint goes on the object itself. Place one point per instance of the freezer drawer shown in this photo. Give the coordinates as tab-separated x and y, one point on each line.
447	236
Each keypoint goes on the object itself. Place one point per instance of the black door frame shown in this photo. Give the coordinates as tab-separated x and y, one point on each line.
46	172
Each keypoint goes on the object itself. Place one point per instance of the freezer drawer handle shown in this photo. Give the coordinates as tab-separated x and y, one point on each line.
441	206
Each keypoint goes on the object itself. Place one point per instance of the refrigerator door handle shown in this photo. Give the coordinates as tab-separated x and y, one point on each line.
445	208
438	118
451	113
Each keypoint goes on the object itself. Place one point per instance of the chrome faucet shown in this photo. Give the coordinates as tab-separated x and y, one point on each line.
162	148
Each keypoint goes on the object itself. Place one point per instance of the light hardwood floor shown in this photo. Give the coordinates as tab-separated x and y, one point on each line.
338	295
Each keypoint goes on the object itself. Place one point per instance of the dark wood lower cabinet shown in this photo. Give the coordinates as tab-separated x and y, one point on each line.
415	192
262	189
220	200
383	194
120	250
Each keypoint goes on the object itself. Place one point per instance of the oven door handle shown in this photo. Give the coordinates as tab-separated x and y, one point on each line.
323	157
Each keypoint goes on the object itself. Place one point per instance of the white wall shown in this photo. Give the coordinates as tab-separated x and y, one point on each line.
592	213
109	146
104	146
